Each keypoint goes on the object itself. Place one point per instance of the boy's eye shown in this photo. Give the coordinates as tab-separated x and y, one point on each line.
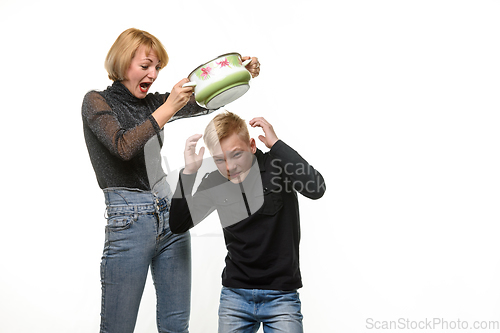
236	154
218	159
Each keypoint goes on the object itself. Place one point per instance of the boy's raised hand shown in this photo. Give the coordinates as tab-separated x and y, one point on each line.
192	160
269	138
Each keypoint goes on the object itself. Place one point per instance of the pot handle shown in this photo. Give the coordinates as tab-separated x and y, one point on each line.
189	84
246	62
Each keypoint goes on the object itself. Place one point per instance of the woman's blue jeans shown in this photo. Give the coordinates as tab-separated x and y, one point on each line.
138	236
242	311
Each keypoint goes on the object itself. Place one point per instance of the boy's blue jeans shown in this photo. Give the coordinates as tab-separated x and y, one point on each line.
242	311
138	236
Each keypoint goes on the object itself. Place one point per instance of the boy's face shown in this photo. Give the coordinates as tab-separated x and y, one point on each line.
234	157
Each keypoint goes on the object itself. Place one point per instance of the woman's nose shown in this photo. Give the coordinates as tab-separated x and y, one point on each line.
153	73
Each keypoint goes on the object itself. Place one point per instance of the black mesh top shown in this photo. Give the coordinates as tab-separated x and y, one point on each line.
123	139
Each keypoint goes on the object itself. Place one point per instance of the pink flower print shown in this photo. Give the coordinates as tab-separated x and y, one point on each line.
205	72
223	63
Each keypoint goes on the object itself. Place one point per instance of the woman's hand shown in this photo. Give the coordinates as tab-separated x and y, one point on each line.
177	99
192	160
179	96
253	67
270	137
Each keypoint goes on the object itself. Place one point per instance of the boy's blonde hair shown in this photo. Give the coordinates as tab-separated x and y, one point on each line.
222	126
124	48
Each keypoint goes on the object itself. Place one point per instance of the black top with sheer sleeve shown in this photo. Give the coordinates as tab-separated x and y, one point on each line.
123	139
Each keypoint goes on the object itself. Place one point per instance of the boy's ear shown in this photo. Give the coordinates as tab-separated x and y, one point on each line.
253	146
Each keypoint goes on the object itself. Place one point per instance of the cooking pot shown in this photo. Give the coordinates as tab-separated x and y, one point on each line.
220	81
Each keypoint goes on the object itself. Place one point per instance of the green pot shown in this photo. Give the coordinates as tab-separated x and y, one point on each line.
220	81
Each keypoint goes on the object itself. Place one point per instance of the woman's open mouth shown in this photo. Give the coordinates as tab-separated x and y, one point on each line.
145	86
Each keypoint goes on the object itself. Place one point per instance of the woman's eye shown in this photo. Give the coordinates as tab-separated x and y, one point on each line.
144	67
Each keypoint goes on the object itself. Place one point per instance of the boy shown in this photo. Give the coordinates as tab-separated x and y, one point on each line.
255	195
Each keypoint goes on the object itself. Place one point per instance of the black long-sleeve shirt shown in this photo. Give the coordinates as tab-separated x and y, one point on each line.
123	139
260	217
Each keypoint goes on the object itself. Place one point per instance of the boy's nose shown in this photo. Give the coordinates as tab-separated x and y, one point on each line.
230	168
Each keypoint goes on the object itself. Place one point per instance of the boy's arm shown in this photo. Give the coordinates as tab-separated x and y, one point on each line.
187	210
305	179
180	219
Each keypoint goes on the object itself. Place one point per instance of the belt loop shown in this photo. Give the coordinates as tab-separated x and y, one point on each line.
136	214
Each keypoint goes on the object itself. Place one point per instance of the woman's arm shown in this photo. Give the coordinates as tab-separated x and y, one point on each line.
177	100
190	110
104	123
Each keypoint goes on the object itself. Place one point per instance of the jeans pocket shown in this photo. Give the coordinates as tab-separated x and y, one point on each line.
119	222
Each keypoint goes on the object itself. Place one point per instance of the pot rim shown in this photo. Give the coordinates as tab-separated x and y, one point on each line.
205	63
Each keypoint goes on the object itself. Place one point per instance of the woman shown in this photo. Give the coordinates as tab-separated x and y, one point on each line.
123	128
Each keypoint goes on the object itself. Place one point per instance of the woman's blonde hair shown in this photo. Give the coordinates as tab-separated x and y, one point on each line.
122	52
222	126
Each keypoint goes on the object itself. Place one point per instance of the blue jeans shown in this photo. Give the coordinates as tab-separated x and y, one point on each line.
138	236
242	311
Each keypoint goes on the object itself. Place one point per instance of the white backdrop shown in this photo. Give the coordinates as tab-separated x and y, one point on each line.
395	102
